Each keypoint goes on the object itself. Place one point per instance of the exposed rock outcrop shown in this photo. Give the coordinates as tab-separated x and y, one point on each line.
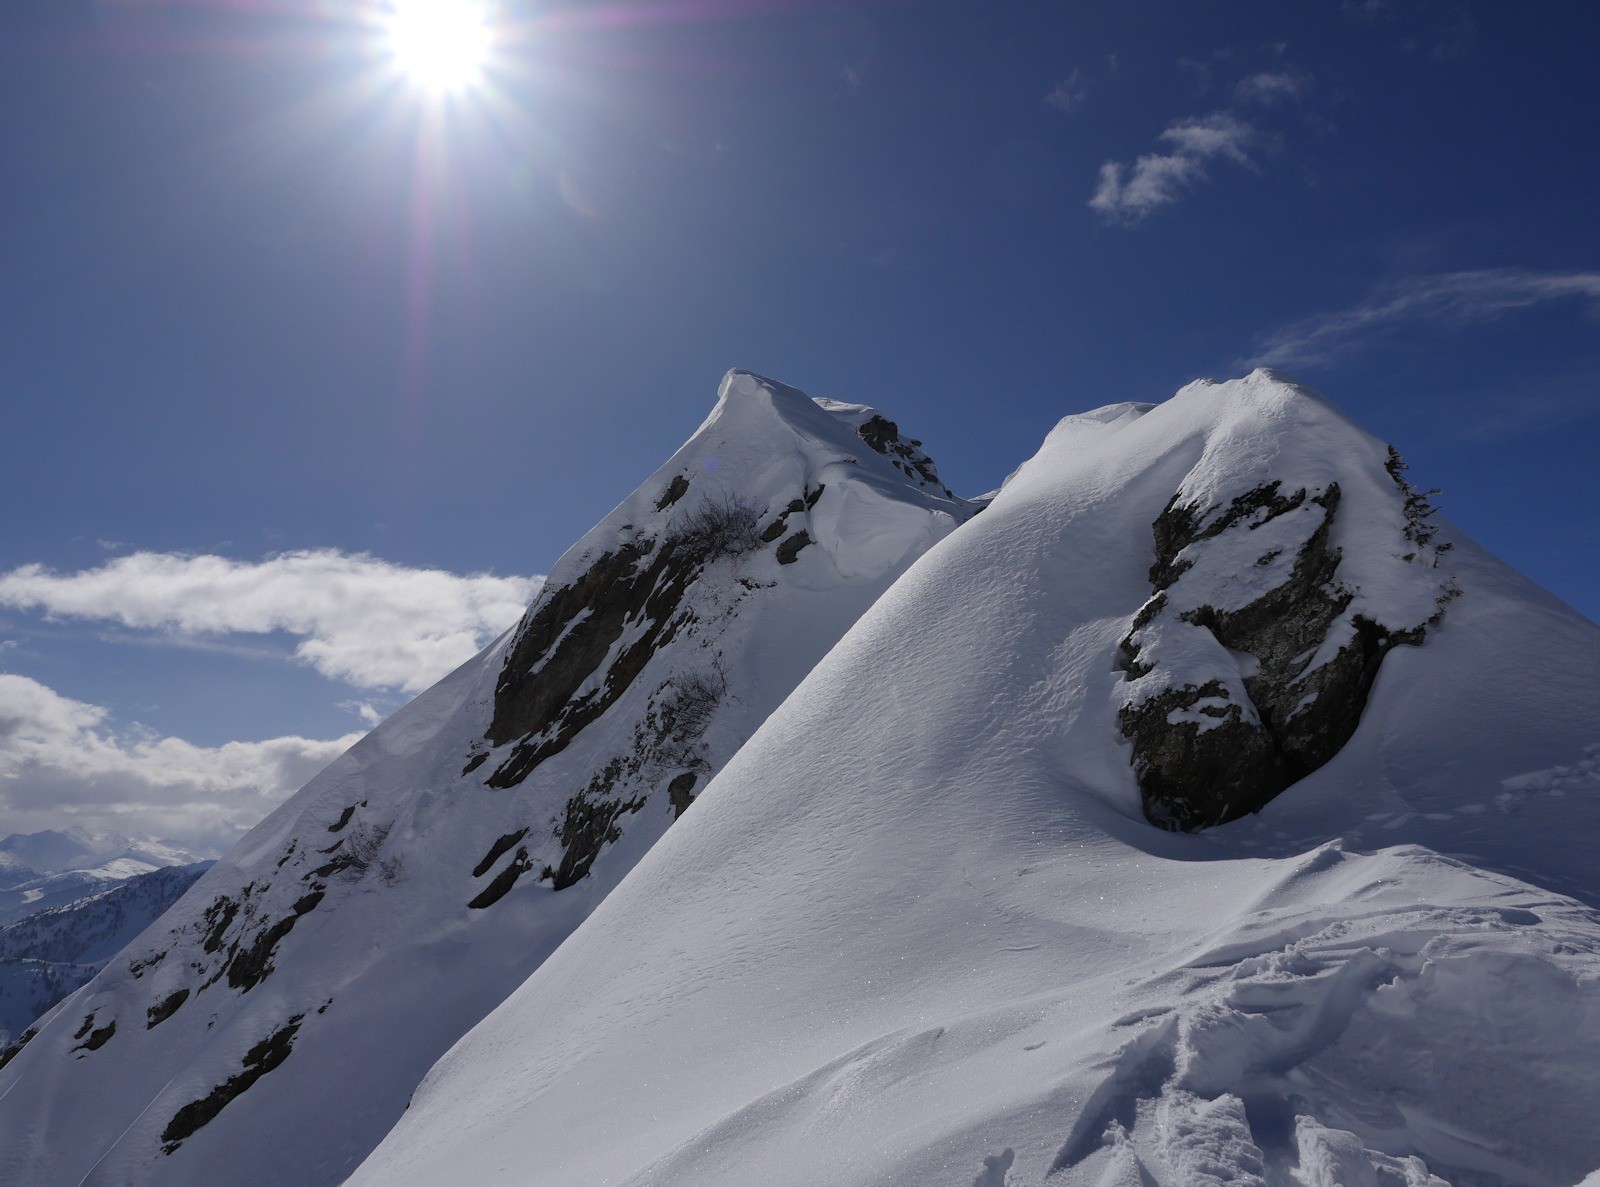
258	1061
1250	664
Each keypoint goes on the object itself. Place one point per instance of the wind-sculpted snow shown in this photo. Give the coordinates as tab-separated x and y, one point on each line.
918	930
272	1028
1366	1046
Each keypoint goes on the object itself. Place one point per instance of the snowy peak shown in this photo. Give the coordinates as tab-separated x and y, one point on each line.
52	869
1293	556
53	852
769	475
53	951
349	939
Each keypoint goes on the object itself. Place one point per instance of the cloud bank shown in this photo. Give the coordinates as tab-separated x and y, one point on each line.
61	765
359	619
1128	194
1449	300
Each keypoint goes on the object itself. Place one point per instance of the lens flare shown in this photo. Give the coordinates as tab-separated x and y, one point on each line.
440	45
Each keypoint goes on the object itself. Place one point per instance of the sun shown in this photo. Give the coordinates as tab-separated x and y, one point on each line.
441	45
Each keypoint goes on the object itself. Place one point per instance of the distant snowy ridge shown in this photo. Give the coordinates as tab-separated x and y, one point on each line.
308	981
51	952
53	869
920	931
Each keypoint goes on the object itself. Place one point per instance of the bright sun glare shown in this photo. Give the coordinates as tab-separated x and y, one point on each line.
439	44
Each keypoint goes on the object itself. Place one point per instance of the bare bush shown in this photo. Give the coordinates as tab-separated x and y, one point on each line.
1419	511
725	525
361	852
682	715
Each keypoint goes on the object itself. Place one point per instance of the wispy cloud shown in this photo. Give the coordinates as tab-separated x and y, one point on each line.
1266	87
1367	11
1068	94
358	618
1449	300
1128	194
369	713
1455	38
61	763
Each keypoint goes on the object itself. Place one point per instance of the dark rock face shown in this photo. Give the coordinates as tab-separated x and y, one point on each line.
635	592
249	953
499	849
15	1049
502	882
258	1061
680	793
536	698
588	824
166	1008
1206	752
676	489
789	550
249	965
905	453
98	1037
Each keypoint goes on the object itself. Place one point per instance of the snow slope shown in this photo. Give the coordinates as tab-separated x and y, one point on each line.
919	931
272	1028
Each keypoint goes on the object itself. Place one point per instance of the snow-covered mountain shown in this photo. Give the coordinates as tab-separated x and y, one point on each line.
54	851
921	930
271	1029
51	952
49	869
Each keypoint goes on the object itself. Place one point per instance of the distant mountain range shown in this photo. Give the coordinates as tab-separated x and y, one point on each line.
49	953
52	869
68	901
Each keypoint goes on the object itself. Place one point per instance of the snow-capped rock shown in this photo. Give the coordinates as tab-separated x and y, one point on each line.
1282	578
271	1030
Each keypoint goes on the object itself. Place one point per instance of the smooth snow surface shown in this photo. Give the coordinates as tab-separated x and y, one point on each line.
917	932
328	991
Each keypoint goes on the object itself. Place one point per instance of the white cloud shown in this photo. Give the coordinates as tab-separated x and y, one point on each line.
369	713
1127	195
60	764
359	619
1450	300
1068	94
1266	87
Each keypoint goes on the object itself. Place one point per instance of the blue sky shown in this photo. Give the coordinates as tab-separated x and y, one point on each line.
285	335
